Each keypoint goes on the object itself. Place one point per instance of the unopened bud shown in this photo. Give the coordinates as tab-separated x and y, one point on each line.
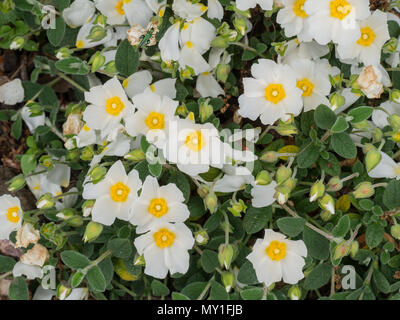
205	111
139	260
17	43
294	293
237	208
395	95
354	248
87	153
390	46
376	135
326	215
336	100
16	183
269	157
87	207
281	196
97	61
136	155
363	125
372	159
285	129
182	110
395	136
63	292
280	47
226	253
364	190
334	184
97	174
342	250
63	53
93	231
394	121
317	190
327	203
46	161
263	178
201	237
203	190
395	231
228	280
110	67
220	42
240	25
282	174
97	33
211	202
35	109
222	72
46	201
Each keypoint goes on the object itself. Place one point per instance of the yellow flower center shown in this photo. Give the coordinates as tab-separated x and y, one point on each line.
340	9
189	44
86	128
164	238
153	87
12	214
114	106
119	9
306	86
155	120
125	83
276	250
158	207
79	44
119	192
195	141
275	93
397	170
37	187
367	37
298	8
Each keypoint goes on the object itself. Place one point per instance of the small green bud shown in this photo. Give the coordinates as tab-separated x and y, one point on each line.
390	46
290	184
72	155
342	250
97	33
63	53
263	178
203	190
395	136
220	42
395	95
372	159
66	213
395	231
376	134
110	67
97	174
326	215
139	260
336	100
269	157
354	248
327	203
285	129
182	110
205	111
186	74
222	72
201	237
46	161
294	293
97	61
16	183
363	125
280	47
282	174
136	155
63	292
228	280
334	184
364	190
75	221
46	201
240	25
237	208
317	190
394	121
368	147
282	196
211	202
87	153
92	232
35	109
87	207
226	252
17	43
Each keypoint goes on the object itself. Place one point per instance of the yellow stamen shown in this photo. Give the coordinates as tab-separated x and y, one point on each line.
158	207
86	128
125	83
276	250
195	141
189	44
164	238
340	9
79	44
367	37
298	8
155	120
306	86
275	93
119	9
12	214
119	192
114	106
153	87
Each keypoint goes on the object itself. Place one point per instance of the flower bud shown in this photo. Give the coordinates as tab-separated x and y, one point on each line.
228	280
376	135
372	159
326	215
336	100
72	155
87	153
63	292
390	46
97	33
136	155
211	202
16	183
17	43
282	195
334	184
395	95
317	190
327	203
92	232
285	129
394	121
263	178
395	231
290	184
63	53
87	207
220	42
97	61
205	111
201	237
342	250
354	248
139	260
363	125
282	174
110	67
226	253
97	174
395	136
70	143
294	293
269	157
280	47
222	72
186	74
240	25
237	208
364	190
35	109
203	190
46	201
46	161
182	110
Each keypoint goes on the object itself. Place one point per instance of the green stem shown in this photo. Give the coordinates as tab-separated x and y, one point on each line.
205	290
248	48
123	288
69	80
54	129
5	275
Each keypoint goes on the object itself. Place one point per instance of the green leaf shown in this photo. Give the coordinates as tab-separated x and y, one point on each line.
16	128
317	245
155	169
72	65
194	289
77	278
18	289
340	125
56	35
121	248
291	226
96	279
6	264
28	163
391	194
360	114
308	157
218	292
374	235
342	227
343	145
209	260
380	281
252	294
126	59
256	219
324	117
74	260
61	4
179	296
182	182
159	289
318	277
247	274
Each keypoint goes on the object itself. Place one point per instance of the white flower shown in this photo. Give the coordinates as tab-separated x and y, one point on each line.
67	201
386	168
138	12
165	248
10	215
114	194
232	183
188	10
374	33
158	203
113	10
336	20
43	294
108	105
263	196
78	13
37	256
30	271
379	117
39	184
215	10
294	19
207	86
169	43
275	258
313	80
32	122
27	234
152	117
12	92
303	50
370	81
83	42
78	294
140	82
272	94
247	4
60	174
86	137
194	147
